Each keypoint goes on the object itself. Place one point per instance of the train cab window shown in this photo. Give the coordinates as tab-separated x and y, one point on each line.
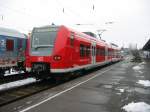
72	39
9	45
43	37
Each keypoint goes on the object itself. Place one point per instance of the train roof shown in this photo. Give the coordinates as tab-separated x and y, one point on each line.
89	35
11	32
114	45
47	26
82	34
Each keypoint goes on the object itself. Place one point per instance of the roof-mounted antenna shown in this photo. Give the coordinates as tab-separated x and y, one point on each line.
52	23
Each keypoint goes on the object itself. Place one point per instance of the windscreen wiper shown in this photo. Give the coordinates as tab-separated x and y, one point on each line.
42	46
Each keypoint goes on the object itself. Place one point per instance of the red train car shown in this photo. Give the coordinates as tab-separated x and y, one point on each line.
116	53
59	49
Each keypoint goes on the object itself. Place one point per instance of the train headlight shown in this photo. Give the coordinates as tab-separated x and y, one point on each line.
57	57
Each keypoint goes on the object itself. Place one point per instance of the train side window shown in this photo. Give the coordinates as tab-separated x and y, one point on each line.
109	52
72	39
102	51
106	52
96	51
82	51
87	51
20	44
9	45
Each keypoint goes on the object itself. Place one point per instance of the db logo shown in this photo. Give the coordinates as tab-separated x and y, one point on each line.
40	59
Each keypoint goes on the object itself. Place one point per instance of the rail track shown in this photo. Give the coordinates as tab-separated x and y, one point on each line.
13	95
14	77
16	94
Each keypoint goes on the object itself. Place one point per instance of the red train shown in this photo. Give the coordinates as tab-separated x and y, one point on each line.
59	49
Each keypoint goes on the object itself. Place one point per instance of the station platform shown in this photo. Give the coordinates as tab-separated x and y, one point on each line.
106	90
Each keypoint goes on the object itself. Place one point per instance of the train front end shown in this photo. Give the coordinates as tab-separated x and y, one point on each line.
40	49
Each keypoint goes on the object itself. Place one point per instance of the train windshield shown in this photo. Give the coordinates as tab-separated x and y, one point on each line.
43	39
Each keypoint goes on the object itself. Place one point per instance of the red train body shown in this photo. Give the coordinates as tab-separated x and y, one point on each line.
59	49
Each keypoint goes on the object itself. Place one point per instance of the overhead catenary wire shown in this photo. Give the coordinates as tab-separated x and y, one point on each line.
72	12
3	17
21	12
65	10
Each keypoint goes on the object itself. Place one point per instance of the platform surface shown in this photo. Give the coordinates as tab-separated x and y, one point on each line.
107	90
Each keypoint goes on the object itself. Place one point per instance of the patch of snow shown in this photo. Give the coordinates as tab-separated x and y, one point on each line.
17	83
142	63
108	86
29	102
141	77
121	90
137	67
145	83
118	93
137	107
140	72
12	72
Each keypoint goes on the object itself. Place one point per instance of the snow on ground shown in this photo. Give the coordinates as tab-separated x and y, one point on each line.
140	72
145	83
17	83
142	63
137	107
138	67
12	72
121	90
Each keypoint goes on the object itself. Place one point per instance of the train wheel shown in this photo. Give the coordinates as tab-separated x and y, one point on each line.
40	75
58	78
2	72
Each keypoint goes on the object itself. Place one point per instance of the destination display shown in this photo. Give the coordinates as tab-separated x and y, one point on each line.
47	29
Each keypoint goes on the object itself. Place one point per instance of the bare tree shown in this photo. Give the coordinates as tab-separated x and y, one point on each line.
135	53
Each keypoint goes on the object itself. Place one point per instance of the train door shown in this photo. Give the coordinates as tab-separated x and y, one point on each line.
93	53
72	53
106	53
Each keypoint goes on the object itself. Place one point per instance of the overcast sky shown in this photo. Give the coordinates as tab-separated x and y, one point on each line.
131	18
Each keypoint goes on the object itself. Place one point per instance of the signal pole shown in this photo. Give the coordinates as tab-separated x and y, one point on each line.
2	17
